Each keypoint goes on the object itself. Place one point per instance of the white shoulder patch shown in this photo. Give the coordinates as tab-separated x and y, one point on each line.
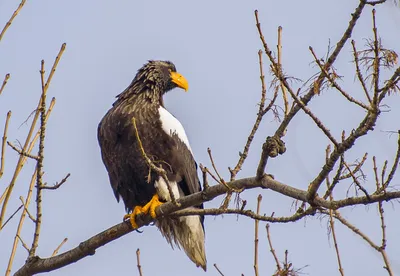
171	126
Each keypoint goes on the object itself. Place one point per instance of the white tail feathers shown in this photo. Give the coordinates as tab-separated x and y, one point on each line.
187	233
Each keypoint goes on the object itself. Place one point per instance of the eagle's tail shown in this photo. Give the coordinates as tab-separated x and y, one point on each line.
187	233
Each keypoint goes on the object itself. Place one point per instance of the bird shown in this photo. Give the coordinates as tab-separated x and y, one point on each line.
138	124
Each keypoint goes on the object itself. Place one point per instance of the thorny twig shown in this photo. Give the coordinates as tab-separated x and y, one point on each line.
39	178
39	166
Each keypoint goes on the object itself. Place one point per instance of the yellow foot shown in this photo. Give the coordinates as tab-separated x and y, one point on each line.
150	207
132	216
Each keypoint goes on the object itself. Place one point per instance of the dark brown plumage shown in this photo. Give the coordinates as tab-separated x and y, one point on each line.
164	141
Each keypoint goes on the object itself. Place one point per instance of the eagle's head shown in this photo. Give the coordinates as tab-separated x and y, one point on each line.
160	76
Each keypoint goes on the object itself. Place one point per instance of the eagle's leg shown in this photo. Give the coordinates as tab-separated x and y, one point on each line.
149	207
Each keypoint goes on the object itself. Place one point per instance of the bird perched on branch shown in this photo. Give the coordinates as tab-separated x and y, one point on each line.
139	126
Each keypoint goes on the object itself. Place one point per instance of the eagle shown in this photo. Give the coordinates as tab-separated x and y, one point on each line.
139	122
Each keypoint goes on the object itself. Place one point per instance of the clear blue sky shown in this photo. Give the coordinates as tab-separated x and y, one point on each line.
214	45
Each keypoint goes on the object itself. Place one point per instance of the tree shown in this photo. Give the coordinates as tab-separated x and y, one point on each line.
347	171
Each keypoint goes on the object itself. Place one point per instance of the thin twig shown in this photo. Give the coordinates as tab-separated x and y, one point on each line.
34	157
159	170
355	180
358	71
383	227
335	179
279	50
23	243
219	271
335	84
138	262
357	231
13	214
256	222
357	167
376	64
55	252
8	24
3	144
26	208
331	221
205	181
271	248
6	78
57	185
221	180
395	165
21	222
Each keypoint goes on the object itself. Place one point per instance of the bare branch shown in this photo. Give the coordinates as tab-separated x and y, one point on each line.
243	155
335	84
376	63
26	209
22	242
6	78
34	157
55	252
20	224
358	71
279	50
394	167
256	222
57	185
271	248
204	173
8	24
355	180
13	214
219	271
39	165
138	262
3	144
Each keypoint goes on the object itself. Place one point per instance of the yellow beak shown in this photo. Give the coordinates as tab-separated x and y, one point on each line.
179	80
